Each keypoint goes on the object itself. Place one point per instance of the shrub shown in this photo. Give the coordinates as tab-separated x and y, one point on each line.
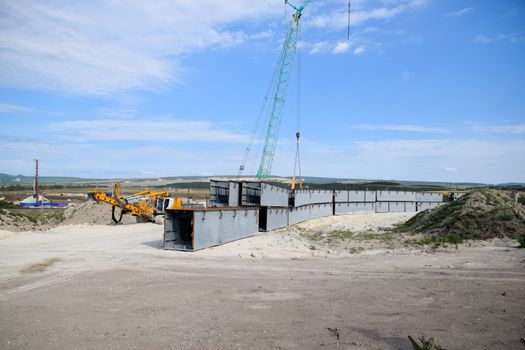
521	240
424	344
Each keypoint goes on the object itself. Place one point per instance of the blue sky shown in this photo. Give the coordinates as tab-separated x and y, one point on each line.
423	90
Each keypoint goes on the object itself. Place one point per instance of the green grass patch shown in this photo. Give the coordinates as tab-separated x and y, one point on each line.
7	205
371	235
436	241
338	235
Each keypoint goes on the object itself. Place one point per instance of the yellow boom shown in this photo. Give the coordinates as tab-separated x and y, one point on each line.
136	204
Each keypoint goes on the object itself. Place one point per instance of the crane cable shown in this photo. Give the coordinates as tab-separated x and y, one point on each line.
348	32
259	117
297	163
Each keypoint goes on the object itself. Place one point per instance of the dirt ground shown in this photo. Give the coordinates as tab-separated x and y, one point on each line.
111	287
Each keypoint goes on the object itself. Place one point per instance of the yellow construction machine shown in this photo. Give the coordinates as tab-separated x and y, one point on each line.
145	206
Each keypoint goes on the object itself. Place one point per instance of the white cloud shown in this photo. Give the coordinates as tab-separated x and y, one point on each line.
500	129
146	129
359	51
399	127
11	108
102	47
450	168
461	12
341	47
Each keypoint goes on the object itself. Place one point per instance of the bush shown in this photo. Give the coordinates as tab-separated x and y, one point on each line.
424	344
7	205
521	240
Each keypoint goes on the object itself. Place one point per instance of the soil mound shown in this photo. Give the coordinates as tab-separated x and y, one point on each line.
480	214
92	213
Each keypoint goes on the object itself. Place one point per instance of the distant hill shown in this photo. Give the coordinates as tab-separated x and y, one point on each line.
6	180
9	180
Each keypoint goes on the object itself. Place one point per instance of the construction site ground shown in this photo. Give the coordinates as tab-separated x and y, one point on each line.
329	283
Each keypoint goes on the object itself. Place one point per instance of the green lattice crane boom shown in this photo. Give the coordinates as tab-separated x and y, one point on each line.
281	90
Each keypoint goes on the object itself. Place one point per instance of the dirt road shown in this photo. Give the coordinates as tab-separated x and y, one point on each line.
110	287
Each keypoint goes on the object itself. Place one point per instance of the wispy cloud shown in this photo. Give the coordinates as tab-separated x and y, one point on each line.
500	129
338	19
400	127
146	129
510	37
11	108
318	47
422	159
103	47
461	12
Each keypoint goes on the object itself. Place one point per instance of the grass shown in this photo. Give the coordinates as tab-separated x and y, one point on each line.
366	236
338	235
371	235
37	216
436	241
40	266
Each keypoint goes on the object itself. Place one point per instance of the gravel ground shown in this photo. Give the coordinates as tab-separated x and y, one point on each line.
110	287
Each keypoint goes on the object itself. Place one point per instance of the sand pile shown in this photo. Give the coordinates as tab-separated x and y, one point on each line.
93	213
481	214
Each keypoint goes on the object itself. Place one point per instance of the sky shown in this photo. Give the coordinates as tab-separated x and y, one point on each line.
430	90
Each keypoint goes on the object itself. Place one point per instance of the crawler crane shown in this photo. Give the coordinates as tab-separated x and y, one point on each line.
279	89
